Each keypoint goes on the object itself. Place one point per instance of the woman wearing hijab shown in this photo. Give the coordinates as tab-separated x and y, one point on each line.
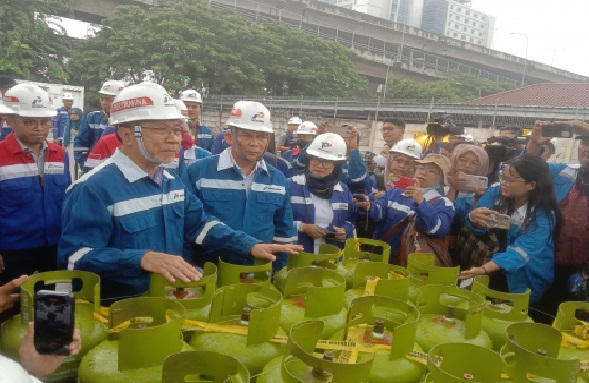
467	160
71	131
433	212
322	205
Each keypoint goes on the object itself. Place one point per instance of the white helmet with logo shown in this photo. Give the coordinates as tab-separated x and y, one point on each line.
112	88
181	107
409	147
328	146
28	100
250	115
145	101
294	121
307	127
191	96
67	96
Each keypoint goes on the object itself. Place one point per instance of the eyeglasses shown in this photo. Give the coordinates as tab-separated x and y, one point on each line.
165	131
427	170
324	163
466	162
508	180
34	124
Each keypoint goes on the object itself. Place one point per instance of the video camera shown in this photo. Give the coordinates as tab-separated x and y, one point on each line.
443	125
502	149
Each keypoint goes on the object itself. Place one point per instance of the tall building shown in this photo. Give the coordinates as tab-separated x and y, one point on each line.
456	19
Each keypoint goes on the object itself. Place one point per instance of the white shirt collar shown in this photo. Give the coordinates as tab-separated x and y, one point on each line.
518	216
226	161
131	171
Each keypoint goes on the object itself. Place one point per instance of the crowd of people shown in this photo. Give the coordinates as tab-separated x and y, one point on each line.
161	194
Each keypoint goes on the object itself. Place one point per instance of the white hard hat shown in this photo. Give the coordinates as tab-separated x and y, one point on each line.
294	121
181	107
409	147
191	96
250	115
4	109
67	96
112	88
328	146
145	101
27	100
469	138
12	372
307	127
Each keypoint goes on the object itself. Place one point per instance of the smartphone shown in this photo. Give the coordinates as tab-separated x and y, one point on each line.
330	235
560	131
359	197
54	322
504	221
475	182
344	131
403	183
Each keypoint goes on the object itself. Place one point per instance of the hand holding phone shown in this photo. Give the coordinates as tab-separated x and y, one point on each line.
54	322
499	221
403	183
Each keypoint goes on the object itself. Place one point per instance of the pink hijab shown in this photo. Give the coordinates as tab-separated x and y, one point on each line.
479	152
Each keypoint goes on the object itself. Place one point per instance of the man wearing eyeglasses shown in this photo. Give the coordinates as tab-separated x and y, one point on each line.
129	217
34	175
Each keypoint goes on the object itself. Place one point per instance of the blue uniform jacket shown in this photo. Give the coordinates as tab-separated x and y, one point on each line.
116	213
219	144
265	214
564	177
4	130
297	162
91	130
205	138
354	172
529	258
463	205
30	213
433	218
303	211
60	122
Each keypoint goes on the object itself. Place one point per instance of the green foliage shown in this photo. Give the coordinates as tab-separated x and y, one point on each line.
31	46
457	87
224	52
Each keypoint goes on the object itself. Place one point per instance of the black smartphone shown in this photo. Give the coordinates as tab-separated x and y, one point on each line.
330	235
560	131
359	197
54	322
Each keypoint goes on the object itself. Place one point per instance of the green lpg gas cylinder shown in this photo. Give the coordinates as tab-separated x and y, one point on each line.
327	258
501	309
371	278
359	250
572	321
388	326
423	271
258	273
311	293
86	290
196	297
531	354
460	362
443	323
143	332
246	318
203	366
306	361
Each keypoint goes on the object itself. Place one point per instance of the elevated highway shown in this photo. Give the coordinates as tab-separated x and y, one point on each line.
382	45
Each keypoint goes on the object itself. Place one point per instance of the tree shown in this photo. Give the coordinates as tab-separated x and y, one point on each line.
32	46
457	87
226	53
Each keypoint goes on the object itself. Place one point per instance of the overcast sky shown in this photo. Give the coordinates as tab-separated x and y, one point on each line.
556	30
